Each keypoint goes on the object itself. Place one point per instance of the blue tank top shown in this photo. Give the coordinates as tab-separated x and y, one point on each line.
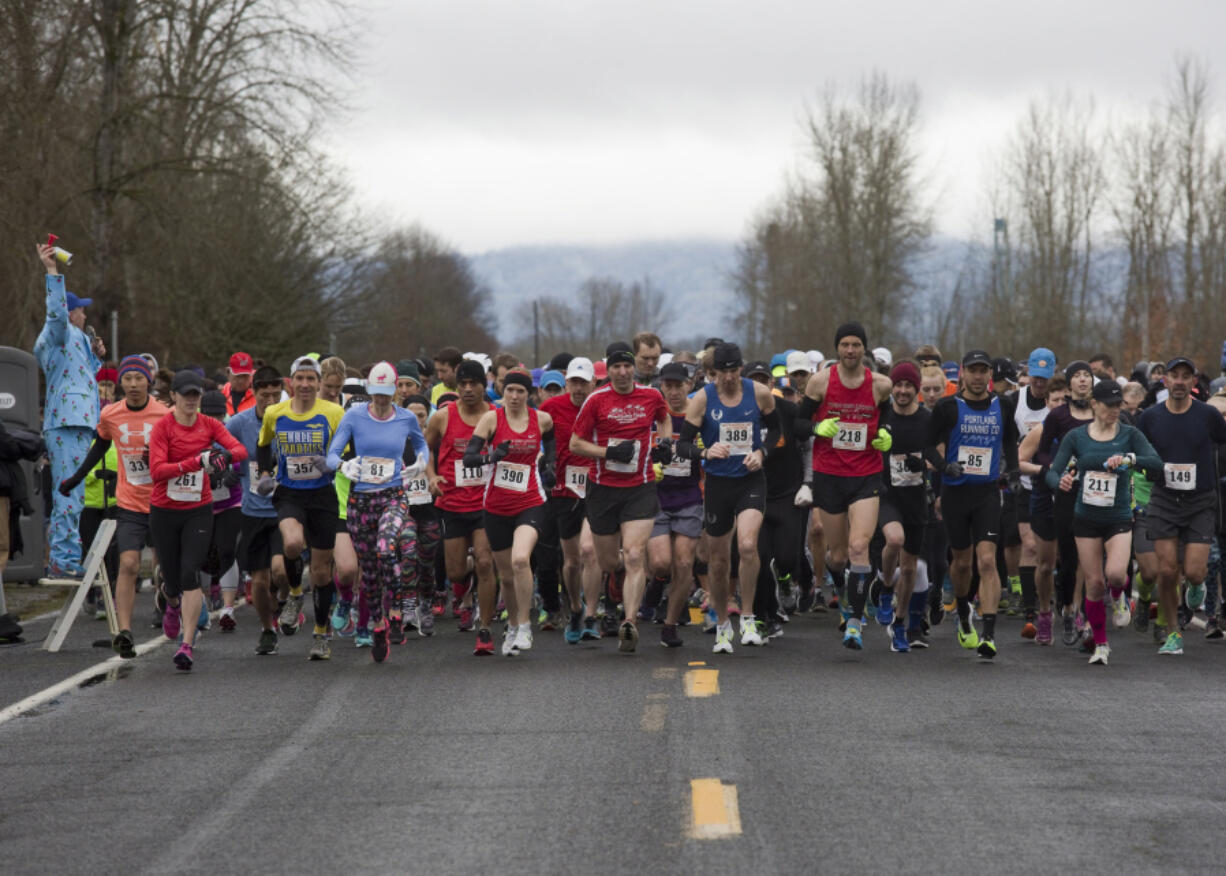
736	425
976	442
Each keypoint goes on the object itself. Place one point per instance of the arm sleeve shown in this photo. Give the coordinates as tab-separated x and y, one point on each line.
1063	455
342	436
1008	407
773	426
686	448
97	452
549	449
939	427
808	410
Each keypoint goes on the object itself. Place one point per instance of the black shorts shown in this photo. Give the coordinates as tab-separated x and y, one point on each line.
725	498
1010	535
1021	500
608	508
342	526
566	514
907	507
971	513
1043	515
500	528
131	530
834	494
1083	528
1192	518
259	540
460	524
316	509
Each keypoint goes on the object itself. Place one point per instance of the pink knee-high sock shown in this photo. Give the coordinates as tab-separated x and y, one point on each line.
345	590
1096	614
363	611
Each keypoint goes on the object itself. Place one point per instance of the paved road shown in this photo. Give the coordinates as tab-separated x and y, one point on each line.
579	759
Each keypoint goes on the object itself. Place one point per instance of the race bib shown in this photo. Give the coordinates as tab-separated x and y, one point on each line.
513	476
851	436
1098	488
627	467
738	437
376	470
679	468
470	477
900	476
576	480
253	475
1180	475
975	460
187	487
300	468
136	467
419	491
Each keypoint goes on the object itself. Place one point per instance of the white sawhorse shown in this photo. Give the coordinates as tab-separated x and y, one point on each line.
95	573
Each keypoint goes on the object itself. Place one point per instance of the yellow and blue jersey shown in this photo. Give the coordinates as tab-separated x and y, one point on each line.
298	438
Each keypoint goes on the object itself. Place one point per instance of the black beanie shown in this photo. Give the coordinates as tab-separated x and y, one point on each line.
850	328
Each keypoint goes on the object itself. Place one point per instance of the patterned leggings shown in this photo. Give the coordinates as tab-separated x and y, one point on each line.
429	536
385	540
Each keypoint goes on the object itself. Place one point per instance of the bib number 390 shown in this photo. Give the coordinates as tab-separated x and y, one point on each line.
512	476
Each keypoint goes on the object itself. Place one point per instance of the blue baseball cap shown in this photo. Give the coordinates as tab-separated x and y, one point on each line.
1042	363
552	378
951	370
74	302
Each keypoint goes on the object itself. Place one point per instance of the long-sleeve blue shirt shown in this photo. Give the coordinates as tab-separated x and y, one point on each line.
380	443
245	426
68	363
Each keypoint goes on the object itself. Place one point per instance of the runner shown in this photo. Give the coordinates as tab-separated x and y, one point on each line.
648	348
1031	409
515	495
729	415
1183	506
429	531
238	392
181	458
614	428
846	400
967	436
344	573
446	361
459	493
221	571
1100	454
128	422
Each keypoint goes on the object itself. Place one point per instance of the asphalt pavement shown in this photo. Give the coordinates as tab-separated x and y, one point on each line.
798	757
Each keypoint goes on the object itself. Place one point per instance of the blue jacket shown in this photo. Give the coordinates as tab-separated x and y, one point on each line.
69	364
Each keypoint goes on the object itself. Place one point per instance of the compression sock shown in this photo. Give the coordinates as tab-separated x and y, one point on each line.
1096	614
1029	597
989	626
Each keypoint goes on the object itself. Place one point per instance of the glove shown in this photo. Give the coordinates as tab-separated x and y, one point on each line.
215	480
68	485
108	475
214	461
884	440
623	452
804	497
913	464
230	477
320	463
827	428
352	469
549	477
416	469
499	452
658	471
663	452
266	485
1014	479
953	470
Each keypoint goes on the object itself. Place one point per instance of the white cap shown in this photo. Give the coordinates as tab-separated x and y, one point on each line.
381	380
304	363
480	357
797	361
883	356
665	358
581	368
815	360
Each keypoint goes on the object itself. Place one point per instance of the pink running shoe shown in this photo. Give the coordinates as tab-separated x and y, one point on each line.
183	657
170	623
1043	636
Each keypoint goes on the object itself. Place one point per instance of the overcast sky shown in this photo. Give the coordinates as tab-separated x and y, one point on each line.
496	123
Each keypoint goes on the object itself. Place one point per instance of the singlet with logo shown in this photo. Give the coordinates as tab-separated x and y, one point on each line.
129	432
463	488
513	485
848	453
609	417
737	426
976	443
298	438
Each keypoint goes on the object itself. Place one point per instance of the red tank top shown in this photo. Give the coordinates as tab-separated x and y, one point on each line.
848	453
514	486
463	488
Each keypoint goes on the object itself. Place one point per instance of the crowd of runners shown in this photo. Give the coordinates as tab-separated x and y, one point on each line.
595	498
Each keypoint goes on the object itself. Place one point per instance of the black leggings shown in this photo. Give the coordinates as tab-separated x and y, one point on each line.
780	539
1067	546
181	539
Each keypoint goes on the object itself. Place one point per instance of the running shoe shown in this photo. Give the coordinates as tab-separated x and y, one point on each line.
936	613
627	637
806	601
1172	645
267	644
986	649
1140	618
1100	655
291	616
226	620
552	620
485	644
709	619
898	639
159	608
968	636
437	605
171	622
340	615
608	624
408	612
465	621
1042	635
1071	633
508	641
885	609
362	638
591	628
1159	633
523	637
1194	596
669	637
395	630
202	620
1213	629
917	638
723	639
124	645
749	632
574	628
379	648
183	657
320	649
774	630
1029	630
1120	614
425	620
851	638
733	608
1003	605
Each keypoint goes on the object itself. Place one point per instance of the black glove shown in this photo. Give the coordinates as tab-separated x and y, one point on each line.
1014	479
230	477
68	485
108	475
953	469
219	460
548	476
215	480
500	451
913	464
623	452
663	452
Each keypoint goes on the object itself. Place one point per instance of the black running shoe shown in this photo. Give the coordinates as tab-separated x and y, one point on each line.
380	648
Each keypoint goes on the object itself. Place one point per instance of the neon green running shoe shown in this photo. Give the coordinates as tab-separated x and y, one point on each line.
968	638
